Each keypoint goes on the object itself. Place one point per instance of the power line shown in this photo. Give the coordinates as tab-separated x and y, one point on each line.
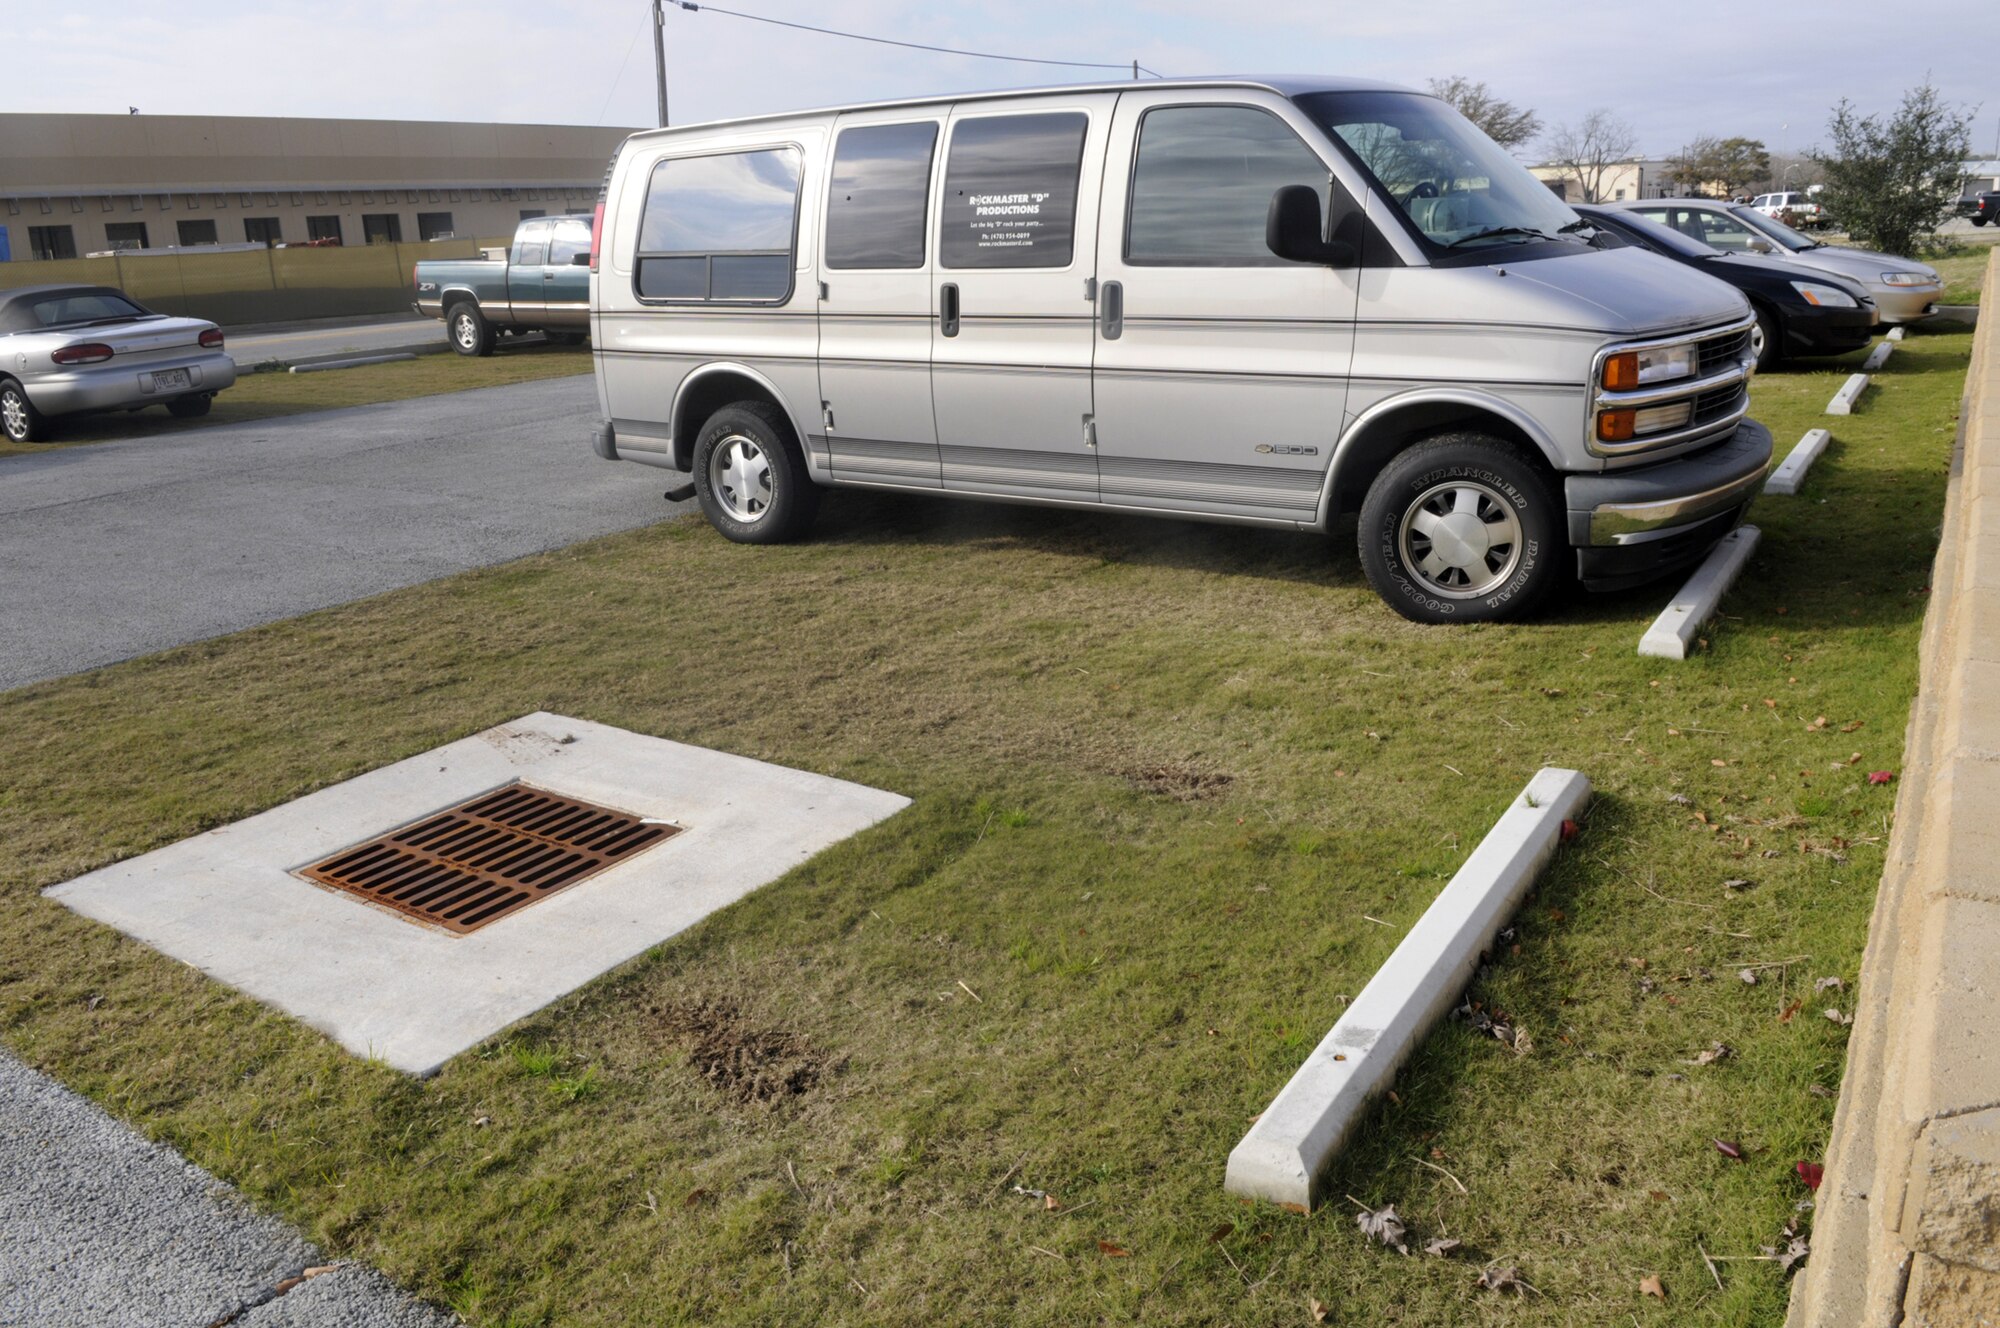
917	46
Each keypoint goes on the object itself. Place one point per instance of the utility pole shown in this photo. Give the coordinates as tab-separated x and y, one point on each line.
660	57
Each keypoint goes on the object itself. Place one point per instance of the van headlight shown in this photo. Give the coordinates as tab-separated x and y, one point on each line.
1909	279
1826	297
1658	364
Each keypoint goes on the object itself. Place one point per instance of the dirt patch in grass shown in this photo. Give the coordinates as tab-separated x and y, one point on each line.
1181	782
749	1062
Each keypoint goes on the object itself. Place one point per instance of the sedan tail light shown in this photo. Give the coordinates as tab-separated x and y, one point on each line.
212	339
90	352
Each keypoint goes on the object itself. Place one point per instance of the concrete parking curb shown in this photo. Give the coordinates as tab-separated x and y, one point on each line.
1674	630
1878	357
1849	393
1908	1224
1791	473
1287	1149
354	362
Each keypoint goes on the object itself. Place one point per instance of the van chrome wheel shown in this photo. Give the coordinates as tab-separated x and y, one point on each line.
1461	539
740	474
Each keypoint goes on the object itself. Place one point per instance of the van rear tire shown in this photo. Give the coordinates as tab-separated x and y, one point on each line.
750	477
1463	528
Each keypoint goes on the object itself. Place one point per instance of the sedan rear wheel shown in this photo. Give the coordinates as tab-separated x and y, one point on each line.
19	420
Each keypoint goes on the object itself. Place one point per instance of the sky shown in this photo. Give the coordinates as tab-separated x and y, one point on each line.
1770	71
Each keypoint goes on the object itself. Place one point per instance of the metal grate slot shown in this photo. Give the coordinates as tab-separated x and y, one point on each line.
475	863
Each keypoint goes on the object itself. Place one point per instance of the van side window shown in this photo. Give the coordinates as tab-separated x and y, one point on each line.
875	203
1202	182
720	227
1010	191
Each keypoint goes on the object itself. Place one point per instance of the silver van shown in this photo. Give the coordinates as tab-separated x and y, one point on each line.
1271	302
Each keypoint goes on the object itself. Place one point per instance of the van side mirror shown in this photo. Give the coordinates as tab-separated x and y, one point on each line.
1292	230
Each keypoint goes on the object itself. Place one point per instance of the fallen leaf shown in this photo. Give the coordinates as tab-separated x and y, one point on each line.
1748	975
1557	915
1770	704
1880	776
1221	1233
286	1284
1650	1286
1501	1279
1441	1246
1050	1203
1728	1149
1811	1173
1819	1090
1569	830
321	1270
694	1197
1849	728
1385	1226
1681	800
1110	1251
1842	1019
1785	1015
1828	984
1717	761
1716	1052
1656	1194
1736	883
1818	723
1318	1312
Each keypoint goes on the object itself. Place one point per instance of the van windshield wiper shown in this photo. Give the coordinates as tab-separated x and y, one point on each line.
1529	231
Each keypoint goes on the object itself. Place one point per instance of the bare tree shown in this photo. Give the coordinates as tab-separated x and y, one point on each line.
1505	123
1588	149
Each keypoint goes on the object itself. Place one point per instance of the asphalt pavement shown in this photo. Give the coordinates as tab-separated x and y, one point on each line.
118	549
98	1227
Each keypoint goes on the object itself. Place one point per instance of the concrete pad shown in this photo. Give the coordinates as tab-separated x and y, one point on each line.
1289	1146
1791	472
1897	332
1942	1295
381	985
1954	1059
1878	357
1674	630
1953	1206
1849	393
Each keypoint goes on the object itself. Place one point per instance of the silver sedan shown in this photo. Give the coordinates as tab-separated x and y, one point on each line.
74	350
1904	290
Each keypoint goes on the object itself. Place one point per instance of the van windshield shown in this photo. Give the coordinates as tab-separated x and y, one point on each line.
1459	189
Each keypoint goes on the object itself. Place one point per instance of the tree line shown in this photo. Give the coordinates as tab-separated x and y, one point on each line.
1888	180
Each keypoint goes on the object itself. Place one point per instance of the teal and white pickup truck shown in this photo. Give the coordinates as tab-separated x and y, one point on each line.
542	284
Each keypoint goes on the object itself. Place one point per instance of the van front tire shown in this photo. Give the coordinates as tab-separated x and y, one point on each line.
750	477
1463	528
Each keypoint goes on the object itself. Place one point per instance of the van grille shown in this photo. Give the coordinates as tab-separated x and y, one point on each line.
1716	404
1718	352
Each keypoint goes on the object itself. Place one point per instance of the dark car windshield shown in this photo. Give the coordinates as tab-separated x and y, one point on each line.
1776	229
1653	233
1456	186
64	310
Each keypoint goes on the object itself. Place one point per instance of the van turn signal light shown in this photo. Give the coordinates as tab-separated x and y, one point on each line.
1616	426
1621	371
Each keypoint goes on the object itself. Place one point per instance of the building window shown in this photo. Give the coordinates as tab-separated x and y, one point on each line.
1010	191
196	232
382	227
720	227
1202	185
529	214
125	234
261	230
876	202
434	226
51	242
324	227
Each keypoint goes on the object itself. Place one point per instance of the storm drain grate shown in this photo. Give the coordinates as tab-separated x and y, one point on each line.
477	862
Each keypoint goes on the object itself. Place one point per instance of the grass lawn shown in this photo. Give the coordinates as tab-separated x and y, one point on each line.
260	396
1964	269
1178	791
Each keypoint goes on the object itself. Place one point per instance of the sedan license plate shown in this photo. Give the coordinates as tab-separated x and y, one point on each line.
167	380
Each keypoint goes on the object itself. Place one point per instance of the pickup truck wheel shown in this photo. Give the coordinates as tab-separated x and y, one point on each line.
190	408
1462	528
470	333
19	420
750	476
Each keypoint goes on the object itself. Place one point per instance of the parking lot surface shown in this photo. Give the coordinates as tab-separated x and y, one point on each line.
128	547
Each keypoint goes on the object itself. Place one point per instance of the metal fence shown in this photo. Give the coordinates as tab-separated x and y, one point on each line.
257	285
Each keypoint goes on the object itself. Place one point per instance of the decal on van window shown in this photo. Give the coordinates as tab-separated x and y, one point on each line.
1010	191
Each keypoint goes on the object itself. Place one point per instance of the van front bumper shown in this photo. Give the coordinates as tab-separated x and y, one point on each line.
1632	526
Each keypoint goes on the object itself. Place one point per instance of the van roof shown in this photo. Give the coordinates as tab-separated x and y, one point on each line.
1285	85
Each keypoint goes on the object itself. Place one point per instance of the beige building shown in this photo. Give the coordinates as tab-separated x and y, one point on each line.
1636	177
72	185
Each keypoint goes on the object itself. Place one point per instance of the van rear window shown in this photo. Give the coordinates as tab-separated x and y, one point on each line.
721	227
1010	191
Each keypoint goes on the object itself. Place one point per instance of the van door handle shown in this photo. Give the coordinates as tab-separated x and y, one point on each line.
948	308
1114	310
